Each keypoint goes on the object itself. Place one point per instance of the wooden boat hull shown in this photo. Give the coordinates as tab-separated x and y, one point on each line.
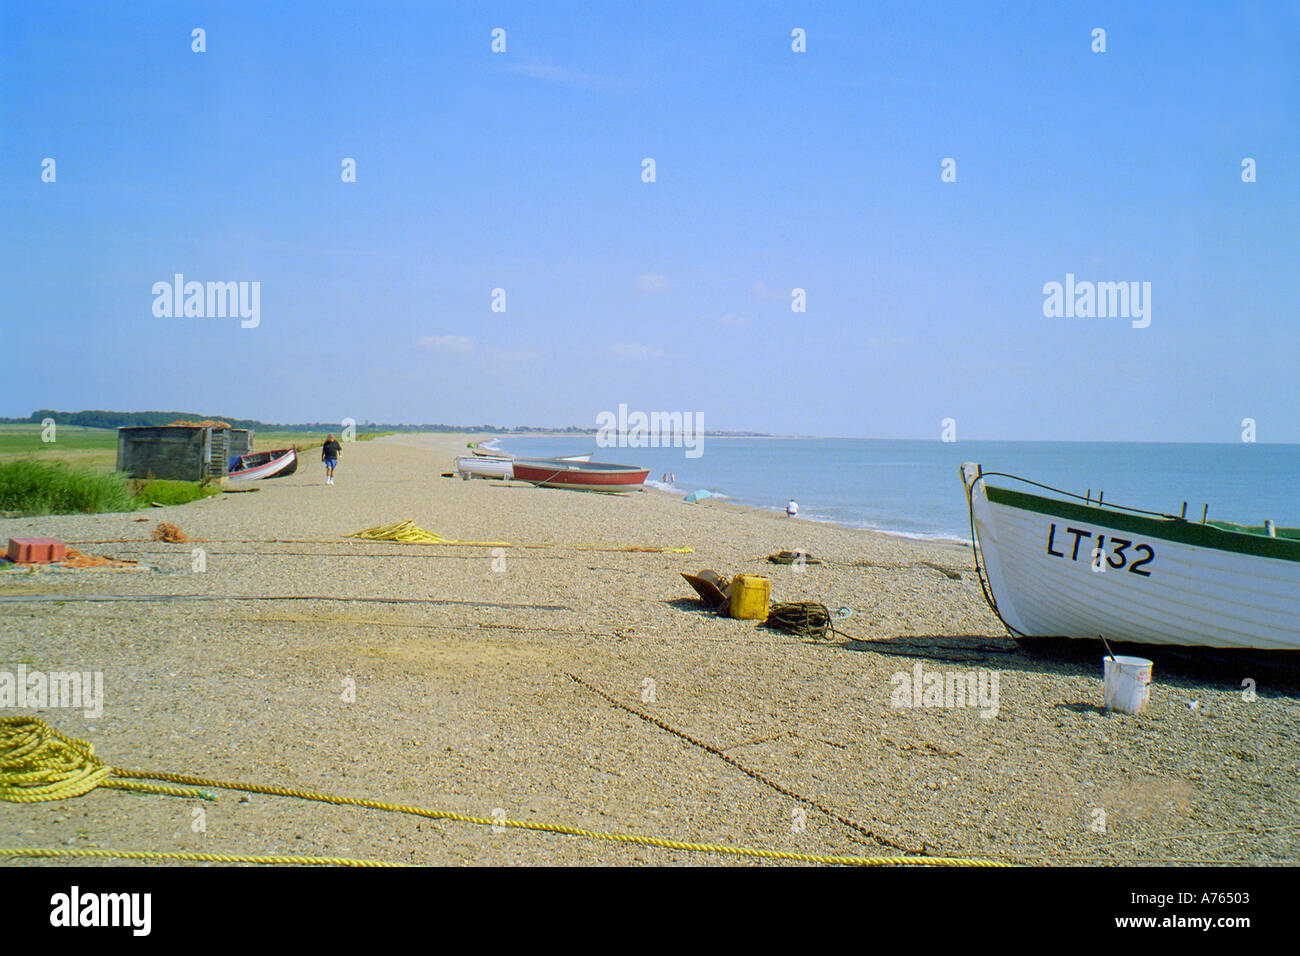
579	475
266	464
1057	568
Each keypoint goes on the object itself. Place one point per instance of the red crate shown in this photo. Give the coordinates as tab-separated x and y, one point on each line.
36	550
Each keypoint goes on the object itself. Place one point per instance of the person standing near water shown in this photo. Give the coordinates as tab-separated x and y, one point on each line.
329	453
792	509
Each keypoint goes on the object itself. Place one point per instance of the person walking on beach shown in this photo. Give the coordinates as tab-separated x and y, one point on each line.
792	509
329	453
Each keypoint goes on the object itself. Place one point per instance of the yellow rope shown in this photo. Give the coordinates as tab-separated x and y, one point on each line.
44	852
38	763
408	532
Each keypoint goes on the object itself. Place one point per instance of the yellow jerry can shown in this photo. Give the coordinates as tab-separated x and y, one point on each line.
749	597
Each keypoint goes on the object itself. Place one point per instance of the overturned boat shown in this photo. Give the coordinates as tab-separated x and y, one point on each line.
580	475
1072	566
264	464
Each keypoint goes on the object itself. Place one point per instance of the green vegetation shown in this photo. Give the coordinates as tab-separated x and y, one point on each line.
74	473
97	447
33	487
29	486
91	447
172	492
281	438
97	418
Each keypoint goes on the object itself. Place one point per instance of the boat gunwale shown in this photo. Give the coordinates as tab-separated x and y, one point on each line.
589	467
1167	528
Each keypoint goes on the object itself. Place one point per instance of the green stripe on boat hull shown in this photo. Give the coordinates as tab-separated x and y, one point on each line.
1169	529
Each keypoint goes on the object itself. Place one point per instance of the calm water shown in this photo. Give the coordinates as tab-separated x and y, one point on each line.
913	488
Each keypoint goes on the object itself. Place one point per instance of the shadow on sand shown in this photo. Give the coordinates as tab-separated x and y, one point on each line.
1275	673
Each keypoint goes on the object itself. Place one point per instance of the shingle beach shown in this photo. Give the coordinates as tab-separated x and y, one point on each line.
479	679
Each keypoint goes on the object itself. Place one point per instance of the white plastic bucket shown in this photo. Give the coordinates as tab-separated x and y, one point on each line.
1127	686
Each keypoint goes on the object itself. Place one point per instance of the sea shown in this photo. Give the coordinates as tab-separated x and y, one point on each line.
913	488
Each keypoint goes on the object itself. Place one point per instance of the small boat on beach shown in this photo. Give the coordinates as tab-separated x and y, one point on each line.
479	453
485	466
497	466
1075	566
580	475
264	464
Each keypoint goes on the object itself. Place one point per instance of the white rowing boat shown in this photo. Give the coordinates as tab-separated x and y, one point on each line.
499	466
1072	566
264	464
485	466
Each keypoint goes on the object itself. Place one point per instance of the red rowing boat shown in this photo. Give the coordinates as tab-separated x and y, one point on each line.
580	475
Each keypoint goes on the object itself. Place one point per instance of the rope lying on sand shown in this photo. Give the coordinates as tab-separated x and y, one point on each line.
97	598
749	772
37	763
408	532
802	618
38	853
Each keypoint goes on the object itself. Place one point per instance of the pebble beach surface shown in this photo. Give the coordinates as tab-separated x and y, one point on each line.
478	680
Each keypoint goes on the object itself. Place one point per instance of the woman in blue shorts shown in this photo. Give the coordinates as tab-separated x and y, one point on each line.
329	453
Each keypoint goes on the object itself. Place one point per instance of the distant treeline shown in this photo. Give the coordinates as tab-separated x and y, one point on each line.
95	418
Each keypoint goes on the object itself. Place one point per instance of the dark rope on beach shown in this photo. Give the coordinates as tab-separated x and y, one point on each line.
749	772
803	619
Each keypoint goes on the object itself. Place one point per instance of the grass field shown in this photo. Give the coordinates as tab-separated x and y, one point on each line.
83	447
97	447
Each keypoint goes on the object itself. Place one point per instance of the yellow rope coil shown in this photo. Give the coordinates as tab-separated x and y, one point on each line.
38	763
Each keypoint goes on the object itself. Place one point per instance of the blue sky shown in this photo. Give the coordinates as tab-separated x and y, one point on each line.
774	170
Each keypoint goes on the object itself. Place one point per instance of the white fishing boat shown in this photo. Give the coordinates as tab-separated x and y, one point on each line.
1074	566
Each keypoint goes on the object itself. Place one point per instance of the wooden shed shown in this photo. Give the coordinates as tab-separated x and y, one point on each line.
240	441
180	452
